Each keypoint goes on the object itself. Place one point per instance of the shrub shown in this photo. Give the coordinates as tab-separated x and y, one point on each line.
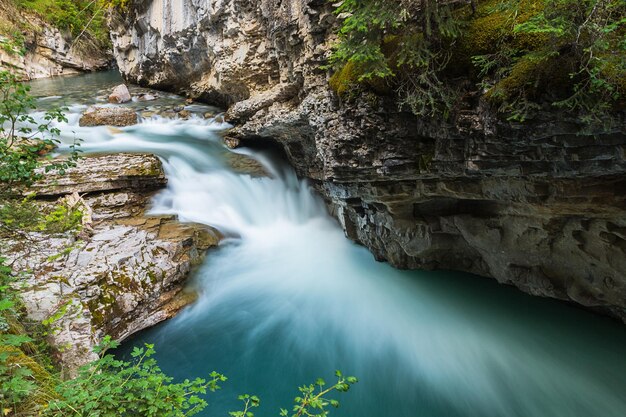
524	54
23	141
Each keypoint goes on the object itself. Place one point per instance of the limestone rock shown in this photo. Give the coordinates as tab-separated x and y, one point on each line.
127	274
96	173
120	95
245	109
111	116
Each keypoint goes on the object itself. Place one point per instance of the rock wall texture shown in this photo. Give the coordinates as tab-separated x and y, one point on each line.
539	206
122	273
46	51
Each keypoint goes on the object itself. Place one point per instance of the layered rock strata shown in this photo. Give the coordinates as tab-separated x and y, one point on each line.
123	272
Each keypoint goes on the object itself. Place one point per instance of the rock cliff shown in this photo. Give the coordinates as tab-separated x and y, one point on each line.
539	206
34	49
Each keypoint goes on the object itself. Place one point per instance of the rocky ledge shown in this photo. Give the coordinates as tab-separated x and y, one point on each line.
123	272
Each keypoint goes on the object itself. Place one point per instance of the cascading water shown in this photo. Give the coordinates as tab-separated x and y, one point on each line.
288	298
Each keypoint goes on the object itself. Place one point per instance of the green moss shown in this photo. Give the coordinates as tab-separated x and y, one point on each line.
348	82
104	305
41	378
345	79
152	276
493	26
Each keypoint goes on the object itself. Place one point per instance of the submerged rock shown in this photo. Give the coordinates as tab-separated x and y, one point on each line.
123	276
120	95
146	97
108	116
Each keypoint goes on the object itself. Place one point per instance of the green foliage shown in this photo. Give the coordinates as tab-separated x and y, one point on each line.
576	62
13	43
14	381
312	401
400	40
523	54
21	377
249	402
61	219
25	215
80	18
110	387
23	141
20	214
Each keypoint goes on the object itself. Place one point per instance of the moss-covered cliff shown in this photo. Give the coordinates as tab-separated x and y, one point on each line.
43	38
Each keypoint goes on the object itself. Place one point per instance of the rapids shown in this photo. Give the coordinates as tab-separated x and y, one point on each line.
287	298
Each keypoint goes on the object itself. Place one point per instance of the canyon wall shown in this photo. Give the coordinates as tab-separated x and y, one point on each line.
536	205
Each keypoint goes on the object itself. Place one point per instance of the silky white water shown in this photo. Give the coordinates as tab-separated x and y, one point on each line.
287	298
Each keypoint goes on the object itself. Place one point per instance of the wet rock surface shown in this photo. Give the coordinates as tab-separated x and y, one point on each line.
539	206
109	116
123	273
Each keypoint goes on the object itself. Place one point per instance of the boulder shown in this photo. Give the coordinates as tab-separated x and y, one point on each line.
108	116
120	95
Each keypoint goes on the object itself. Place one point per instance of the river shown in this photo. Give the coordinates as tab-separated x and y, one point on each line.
287	298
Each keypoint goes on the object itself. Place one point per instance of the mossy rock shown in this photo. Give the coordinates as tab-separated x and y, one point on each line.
614	71
347	81
491	29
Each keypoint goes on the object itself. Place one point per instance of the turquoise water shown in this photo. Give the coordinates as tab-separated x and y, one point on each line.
287	299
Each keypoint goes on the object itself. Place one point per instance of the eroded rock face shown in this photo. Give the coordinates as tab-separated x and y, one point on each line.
108	116
124	274
539	206
47	52
223	51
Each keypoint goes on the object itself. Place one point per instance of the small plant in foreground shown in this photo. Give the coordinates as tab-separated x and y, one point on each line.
23	140
109	387
312	401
